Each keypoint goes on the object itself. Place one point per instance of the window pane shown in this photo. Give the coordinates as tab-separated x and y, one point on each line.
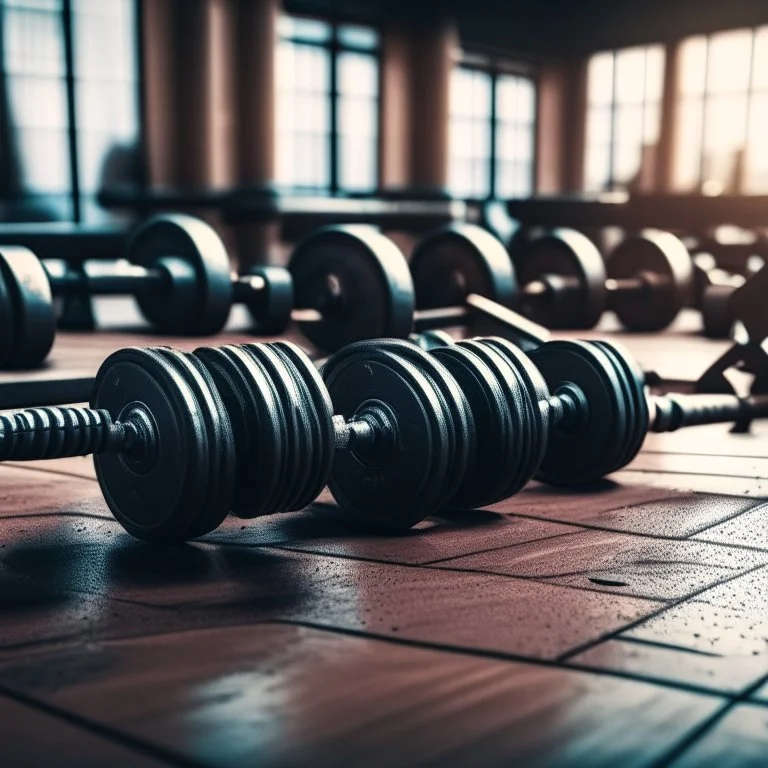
628	128
37	117
526	100
688	149
506	143
599	125
357	117
726	123
358	171
654	73
693	66
729	61
309	30
626	160
651	124
630	76
358	74
303	116
356	36
600	79
597	170
470	132
757	150
760	66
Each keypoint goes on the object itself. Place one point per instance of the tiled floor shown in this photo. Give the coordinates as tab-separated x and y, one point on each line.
622	626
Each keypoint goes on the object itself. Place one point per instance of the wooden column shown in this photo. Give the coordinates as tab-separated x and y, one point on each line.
575	135
417	61
665	153
432	53
255	46
552	128
187	93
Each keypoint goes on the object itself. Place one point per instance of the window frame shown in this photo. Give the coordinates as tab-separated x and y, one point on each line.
66	20
496	68
613	108
708	95
336	48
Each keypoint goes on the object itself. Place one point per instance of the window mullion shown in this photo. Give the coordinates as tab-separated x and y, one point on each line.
69	58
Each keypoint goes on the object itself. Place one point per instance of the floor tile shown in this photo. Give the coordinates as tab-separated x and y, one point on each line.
629	508
660	569
652	660
739	740
35	738
286	695
321	530
728	622
749	529
68	561
29	491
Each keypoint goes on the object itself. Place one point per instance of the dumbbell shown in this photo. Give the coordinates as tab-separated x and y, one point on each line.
560	281
353	282
179	274
180	440
714	289
566	284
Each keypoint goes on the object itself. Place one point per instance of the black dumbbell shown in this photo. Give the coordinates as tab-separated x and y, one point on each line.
566	284
715	288
179	273
572	411
179	440
350	283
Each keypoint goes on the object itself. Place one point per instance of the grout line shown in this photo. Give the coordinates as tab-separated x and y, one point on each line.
614	634
625	532
431	563
99	729
668	646
708	724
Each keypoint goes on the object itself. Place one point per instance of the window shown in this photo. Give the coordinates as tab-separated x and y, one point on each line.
723	112
623	114
492	128
327	106
69	72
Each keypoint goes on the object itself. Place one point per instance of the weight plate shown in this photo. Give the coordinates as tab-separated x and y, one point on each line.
157	499
640	419
457	260
523	402
429	340
256	419
271	306
461	445
573	269
294	412
220	486
405	481
485	478
27	317
716	312
197	299
661	259
584	452
321	416
359	281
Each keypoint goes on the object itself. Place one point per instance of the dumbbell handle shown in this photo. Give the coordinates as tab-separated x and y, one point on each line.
513	323
128	280
54	433
568	407
673	411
